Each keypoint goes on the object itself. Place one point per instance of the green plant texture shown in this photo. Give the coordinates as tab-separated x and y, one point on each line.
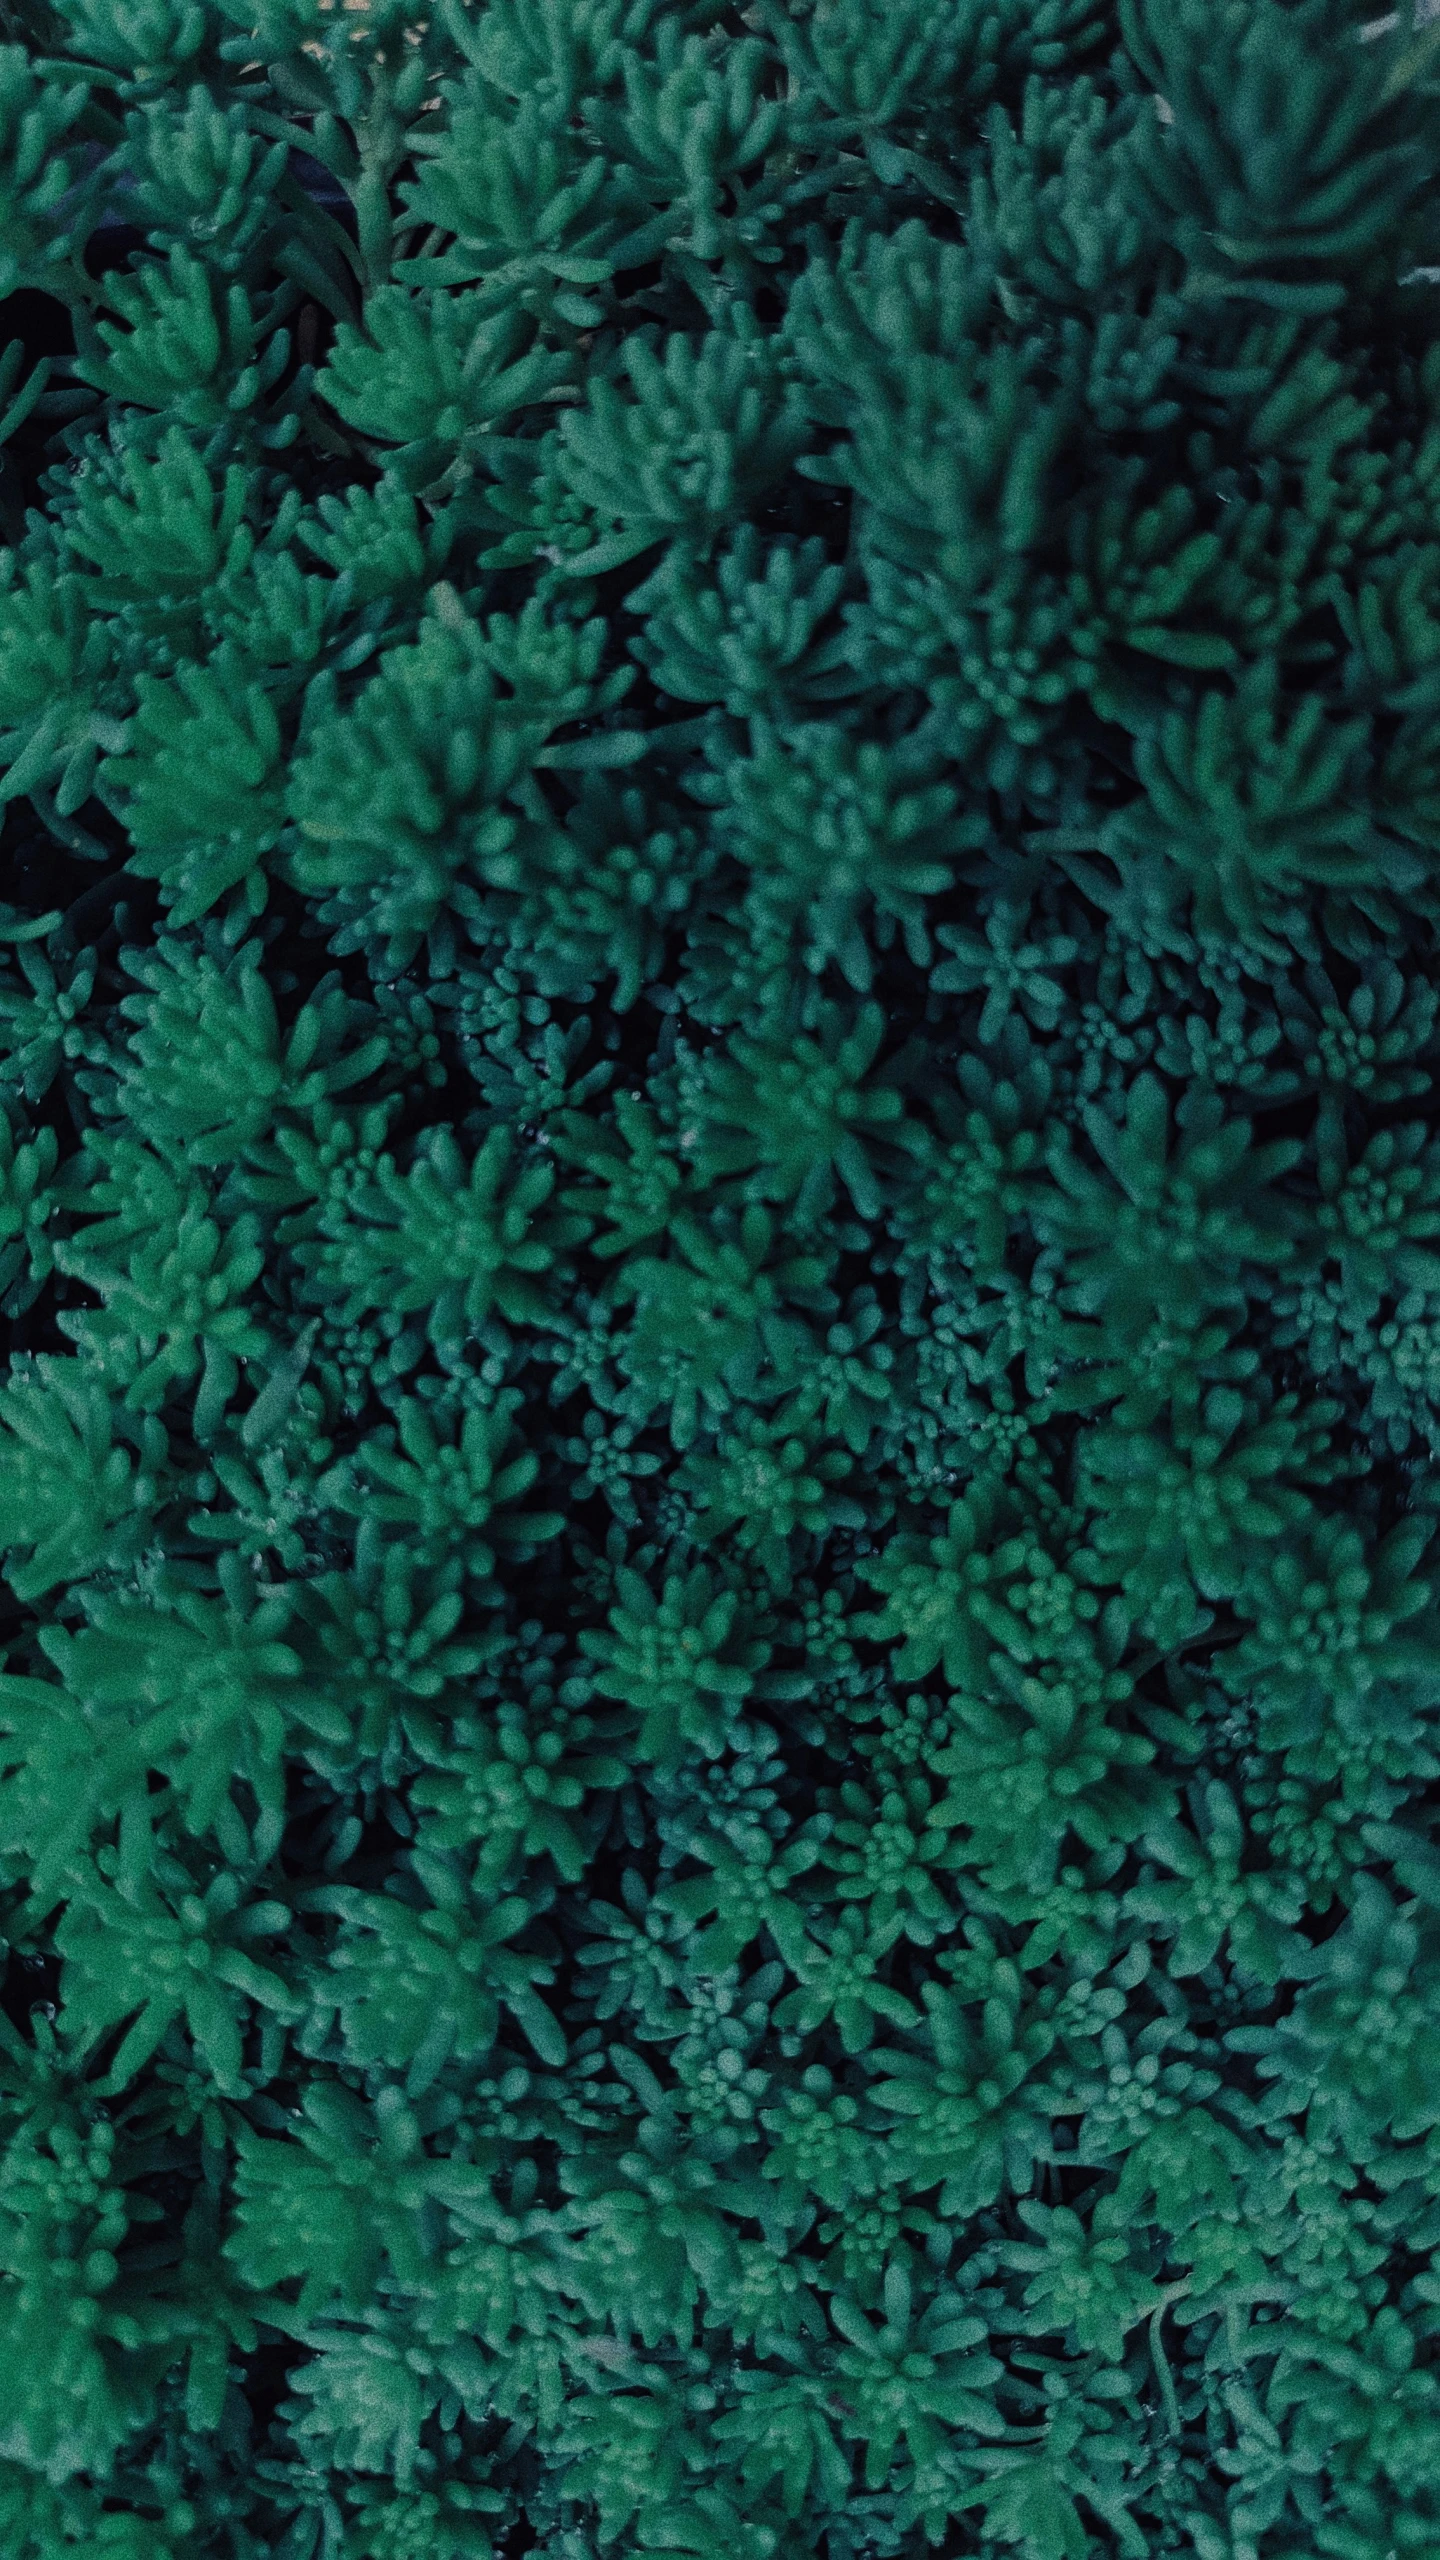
720	1239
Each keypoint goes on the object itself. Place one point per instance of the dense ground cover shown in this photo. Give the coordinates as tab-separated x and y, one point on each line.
720	1228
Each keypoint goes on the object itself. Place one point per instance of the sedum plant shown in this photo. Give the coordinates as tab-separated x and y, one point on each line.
720	1240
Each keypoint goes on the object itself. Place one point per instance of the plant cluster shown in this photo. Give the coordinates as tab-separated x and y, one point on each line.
720	1224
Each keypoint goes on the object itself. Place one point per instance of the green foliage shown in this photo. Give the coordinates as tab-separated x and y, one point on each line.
720	1230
